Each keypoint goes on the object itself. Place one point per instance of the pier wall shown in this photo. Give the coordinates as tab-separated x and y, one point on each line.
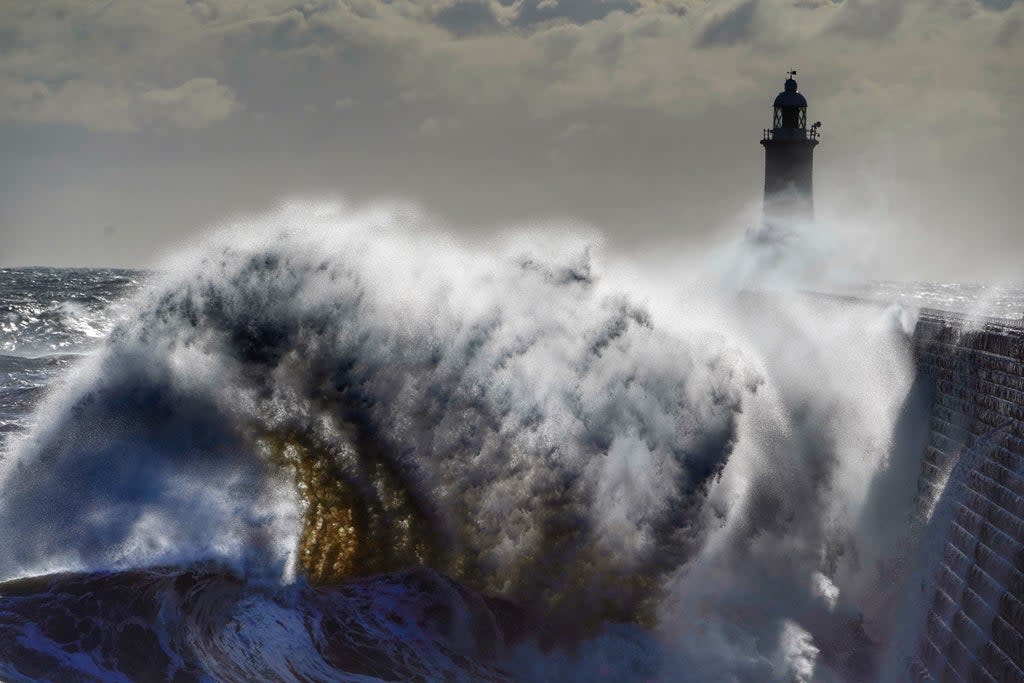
973	469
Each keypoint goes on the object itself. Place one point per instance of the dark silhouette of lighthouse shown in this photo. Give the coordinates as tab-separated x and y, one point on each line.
789	158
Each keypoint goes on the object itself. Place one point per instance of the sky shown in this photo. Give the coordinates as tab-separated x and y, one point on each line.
129	128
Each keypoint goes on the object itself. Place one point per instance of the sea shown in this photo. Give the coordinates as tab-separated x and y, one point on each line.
49	318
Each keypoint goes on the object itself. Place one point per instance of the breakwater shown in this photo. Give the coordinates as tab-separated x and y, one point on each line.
972	479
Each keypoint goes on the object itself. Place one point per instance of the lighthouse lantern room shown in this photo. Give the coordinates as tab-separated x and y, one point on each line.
788	158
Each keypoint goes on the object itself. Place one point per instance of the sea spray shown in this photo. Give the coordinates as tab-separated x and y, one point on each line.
678	482
795	561
504	419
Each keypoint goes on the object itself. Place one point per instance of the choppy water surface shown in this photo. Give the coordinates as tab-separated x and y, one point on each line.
60	310
49	317
1003	302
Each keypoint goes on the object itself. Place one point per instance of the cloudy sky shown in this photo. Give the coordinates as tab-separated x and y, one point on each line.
127	127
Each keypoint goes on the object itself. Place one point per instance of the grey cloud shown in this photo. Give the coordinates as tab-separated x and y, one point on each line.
112	107
467	17
996	5
1010	31
731	27
10	38
204	11
814	4
280	32
871	19
119	38
196	103
611	49
575	54
533	12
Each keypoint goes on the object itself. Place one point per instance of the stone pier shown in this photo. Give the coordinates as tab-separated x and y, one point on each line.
974	467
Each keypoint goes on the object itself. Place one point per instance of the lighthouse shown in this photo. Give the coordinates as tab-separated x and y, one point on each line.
789	158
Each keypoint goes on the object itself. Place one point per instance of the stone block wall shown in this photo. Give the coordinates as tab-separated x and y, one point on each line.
974	469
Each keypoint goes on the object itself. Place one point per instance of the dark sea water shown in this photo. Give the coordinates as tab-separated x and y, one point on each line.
49	317
155	449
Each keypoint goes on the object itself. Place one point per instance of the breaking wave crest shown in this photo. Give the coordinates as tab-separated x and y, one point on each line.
338	395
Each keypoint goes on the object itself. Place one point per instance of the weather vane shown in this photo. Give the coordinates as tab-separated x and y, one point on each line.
793	72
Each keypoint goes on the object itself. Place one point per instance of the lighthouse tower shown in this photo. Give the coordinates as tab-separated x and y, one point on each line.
788	158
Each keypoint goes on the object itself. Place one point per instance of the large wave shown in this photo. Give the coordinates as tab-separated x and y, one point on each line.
346	396
330	393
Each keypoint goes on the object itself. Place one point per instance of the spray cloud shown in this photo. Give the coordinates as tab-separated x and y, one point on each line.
341	392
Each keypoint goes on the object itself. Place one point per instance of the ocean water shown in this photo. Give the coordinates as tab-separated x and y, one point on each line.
49	317
327	447
1001	302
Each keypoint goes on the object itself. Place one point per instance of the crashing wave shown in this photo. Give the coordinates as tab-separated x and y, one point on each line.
346	398
333	398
